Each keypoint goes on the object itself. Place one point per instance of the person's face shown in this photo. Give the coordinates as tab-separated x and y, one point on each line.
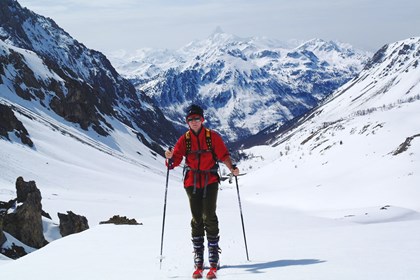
194	122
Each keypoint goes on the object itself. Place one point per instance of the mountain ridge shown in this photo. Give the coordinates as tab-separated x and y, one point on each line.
83	87
386	84
245	84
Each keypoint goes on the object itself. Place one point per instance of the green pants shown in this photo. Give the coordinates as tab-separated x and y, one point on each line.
203	210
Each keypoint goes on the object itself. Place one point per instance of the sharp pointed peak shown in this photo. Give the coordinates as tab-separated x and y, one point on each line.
217	30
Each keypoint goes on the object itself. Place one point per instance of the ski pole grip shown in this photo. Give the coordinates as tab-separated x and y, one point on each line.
233	168
170	160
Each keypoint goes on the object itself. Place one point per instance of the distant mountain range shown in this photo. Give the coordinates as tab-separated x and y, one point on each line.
245	85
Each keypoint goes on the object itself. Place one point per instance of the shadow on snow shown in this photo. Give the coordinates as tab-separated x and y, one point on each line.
258	267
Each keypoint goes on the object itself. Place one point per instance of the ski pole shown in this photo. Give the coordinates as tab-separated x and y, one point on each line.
242	217
164	212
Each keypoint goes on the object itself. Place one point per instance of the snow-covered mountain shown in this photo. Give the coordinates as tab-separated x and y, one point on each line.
389	80
42	64
367	133
336	197
245	85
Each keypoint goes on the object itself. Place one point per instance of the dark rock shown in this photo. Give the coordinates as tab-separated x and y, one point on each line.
7	205
2	236
405	145
23	189
46	215
14	252
9	123
25	222
118	220
72	223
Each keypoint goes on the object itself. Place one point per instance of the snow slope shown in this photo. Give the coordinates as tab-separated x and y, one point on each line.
352	145
319	220
334	198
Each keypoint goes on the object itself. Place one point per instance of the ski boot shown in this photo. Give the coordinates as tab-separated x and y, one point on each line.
214	250
198	243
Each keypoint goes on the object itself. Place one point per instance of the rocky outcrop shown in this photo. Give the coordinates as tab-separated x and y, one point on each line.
118	220
405	145
25	221
10	124
22	218
72	223
2	236
14	251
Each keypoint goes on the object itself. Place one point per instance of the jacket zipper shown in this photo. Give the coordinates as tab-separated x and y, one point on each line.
199	158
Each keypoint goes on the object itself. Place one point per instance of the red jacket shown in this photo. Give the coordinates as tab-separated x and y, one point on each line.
199	163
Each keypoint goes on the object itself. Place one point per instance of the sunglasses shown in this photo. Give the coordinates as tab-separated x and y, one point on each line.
196	119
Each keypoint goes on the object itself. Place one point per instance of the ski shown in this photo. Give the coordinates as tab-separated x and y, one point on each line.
212	273
198	273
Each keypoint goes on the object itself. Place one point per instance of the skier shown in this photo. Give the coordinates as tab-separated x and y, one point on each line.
202	149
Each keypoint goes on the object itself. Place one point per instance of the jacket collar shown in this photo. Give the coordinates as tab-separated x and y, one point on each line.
199	131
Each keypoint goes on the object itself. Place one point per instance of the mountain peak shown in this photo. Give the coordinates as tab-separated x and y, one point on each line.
217	30
229	76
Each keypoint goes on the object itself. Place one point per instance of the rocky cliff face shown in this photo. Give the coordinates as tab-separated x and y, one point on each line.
10	124
42	63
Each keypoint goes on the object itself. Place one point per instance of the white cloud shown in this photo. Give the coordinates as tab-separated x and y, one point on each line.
129	24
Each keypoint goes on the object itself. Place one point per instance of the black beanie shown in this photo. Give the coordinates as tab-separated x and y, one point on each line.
194	110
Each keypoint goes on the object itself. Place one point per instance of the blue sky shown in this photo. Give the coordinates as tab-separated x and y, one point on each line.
108	25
